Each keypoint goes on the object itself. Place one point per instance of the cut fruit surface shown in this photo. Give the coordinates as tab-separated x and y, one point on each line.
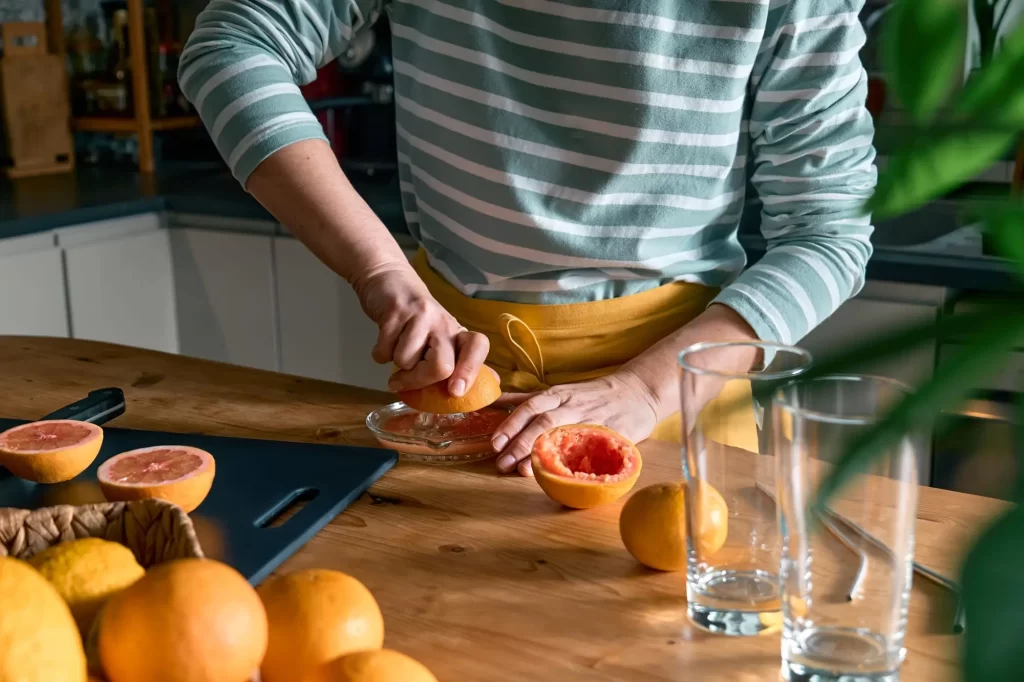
585	465
437	400
50	451
178	474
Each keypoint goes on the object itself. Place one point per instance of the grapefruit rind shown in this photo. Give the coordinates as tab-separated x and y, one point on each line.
187	490
436	399
584	466
70	453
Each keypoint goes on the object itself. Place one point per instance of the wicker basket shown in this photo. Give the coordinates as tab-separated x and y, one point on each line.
153	530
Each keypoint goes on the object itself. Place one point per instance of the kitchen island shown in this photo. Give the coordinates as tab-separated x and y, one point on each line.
480	577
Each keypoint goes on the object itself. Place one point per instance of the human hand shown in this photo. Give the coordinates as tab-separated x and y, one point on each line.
417	334
620	401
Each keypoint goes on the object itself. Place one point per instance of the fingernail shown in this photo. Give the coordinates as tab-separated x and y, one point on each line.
459	387
506	462
499	443
526	468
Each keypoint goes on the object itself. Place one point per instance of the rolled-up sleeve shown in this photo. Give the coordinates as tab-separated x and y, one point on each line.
813	168
243	64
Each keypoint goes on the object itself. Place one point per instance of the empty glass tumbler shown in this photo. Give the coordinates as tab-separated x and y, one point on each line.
732	581
846	572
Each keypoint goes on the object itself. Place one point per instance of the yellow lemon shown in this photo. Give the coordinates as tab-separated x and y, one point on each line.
38	638
86	573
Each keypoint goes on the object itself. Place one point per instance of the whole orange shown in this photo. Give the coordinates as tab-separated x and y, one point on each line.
190	620
316	616
653	525
382	665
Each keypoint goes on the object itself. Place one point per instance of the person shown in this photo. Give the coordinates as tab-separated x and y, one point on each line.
575	172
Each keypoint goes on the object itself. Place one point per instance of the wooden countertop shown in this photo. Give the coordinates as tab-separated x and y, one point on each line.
481	577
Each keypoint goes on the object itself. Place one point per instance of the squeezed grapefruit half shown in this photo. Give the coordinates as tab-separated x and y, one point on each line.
585	465
50	451
436	399
178	474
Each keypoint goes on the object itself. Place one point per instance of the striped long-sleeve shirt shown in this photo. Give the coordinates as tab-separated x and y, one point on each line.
555	151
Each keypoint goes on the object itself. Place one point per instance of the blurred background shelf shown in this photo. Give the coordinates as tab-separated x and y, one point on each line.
117	124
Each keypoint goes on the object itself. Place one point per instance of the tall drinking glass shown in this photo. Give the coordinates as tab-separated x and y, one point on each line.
732	581
846	572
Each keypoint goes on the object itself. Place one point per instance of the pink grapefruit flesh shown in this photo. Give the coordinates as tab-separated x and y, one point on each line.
178	474
585	465
50	451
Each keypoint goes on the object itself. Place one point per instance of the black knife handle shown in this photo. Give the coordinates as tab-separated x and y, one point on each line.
99	407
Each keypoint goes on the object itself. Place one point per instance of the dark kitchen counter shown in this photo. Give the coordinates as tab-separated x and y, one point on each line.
44	203
39	204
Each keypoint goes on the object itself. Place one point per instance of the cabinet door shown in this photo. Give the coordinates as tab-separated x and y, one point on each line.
324	332
121	290
32	300
224	285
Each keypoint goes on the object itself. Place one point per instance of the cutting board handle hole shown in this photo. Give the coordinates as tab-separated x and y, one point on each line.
279	514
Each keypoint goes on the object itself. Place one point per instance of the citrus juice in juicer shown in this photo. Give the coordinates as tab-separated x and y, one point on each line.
432	425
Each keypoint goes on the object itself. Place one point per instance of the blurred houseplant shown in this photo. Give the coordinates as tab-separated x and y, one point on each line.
951	142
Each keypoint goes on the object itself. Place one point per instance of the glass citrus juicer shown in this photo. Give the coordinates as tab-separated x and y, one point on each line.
431	425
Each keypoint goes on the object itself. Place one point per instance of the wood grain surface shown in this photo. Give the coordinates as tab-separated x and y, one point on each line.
481	577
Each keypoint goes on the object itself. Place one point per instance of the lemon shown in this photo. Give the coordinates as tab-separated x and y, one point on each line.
86	573
38	639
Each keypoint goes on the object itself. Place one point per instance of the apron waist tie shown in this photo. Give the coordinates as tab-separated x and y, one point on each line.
528	375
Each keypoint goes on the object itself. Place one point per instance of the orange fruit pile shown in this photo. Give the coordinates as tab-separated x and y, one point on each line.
189	620
325	626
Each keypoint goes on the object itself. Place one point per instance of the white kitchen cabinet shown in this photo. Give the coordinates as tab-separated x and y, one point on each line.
32	296
224	286
324	333
121	284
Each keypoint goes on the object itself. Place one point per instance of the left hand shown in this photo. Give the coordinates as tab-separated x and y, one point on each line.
620	401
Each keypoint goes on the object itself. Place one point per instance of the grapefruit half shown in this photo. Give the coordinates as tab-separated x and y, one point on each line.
585	465
436	399
50	451
178	474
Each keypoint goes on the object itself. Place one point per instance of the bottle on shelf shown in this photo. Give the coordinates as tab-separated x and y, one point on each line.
114	92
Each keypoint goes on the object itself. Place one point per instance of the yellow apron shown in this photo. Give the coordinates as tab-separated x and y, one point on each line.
534	347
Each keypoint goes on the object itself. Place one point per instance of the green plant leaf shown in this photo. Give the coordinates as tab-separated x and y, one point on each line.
949	385
934	163
1005	222
995	96
993	594
922	49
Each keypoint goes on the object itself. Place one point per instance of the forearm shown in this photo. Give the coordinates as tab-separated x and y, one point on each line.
656	368
304	188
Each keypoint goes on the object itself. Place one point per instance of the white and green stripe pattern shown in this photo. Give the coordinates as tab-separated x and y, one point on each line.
556	151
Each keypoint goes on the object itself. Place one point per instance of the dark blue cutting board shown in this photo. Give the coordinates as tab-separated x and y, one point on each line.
255	481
